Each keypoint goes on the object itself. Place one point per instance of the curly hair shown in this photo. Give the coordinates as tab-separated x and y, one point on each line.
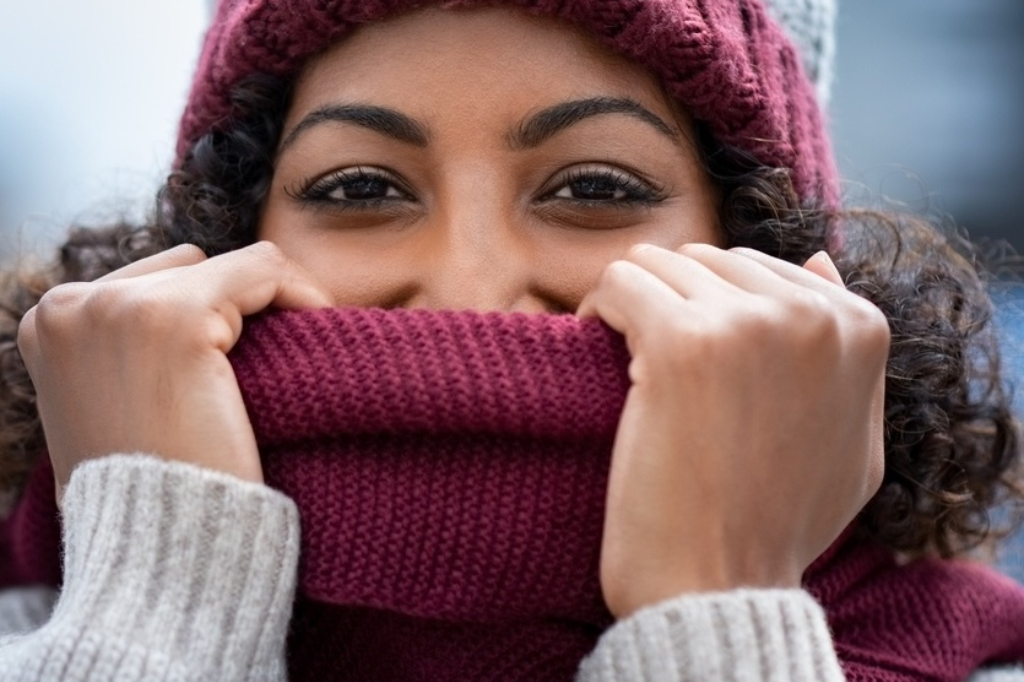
951	442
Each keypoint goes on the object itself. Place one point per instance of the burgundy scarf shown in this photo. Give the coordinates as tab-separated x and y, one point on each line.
450	471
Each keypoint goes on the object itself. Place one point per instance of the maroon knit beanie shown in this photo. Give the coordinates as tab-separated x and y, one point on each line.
726	61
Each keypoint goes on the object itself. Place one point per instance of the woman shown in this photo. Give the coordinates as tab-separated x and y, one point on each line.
607	160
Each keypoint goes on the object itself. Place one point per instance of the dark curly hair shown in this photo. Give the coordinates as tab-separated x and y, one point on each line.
951	443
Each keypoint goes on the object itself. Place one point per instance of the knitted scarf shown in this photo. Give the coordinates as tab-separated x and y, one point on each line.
450	472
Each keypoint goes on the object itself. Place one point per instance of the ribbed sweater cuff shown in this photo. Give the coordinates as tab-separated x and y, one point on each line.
738	636
172	571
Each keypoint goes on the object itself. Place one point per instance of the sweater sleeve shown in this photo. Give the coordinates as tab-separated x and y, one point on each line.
738	636
176	572
171	572
1001	674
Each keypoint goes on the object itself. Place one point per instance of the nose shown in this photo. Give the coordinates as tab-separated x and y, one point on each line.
477	260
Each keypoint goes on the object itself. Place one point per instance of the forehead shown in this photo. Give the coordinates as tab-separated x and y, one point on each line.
482	60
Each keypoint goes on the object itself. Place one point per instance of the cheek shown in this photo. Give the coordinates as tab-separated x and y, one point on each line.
568	263
692	220
335	259
359	277
670	226
676	229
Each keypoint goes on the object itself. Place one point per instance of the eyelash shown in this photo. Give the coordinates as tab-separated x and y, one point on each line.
319	190
635	191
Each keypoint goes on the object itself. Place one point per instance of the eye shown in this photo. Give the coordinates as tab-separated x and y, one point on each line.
600	185
357	187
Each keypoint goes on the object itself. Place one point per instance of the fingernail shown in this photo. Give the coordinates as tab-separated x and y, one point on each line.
827	259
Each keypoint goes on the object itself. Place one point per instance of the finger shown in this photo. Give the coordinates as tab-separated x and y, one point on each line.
819	279
257	277
821	276
756	274
179	256
822	265
688	277
628	298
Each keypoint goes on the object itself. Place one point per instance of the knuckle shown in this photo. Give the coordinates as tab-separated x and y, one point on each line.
760	319
615	275
696	248
815	313
27	338
686	344
188	254
803	317
268	254
58	305
62	296
813	303
871	323
129	307
122	305
638	252
106	303
753	254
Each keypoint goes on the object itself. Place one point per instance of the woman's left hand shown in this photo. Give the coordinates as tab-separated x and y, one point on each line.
752	432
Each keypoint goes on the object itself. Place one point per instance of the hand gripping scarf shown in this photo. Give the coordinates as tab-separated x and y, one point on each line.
450	472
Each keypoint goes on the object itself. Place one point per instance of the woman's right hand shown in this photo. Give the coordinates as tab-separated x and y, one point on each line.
137	360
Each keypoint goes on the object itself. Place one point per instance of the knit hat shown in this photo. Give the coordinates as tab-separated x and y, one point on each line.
726	61
811	25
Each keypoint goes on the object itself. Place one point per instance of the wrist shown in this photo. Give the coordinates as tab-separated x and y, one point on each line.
642	589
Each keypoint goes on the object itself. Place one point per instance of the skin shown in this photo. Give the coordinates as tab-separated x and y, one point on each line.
479	228
751	435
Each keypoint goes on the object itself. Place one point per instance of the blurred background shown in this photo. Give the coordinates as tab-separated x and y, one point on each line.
90	94
927	110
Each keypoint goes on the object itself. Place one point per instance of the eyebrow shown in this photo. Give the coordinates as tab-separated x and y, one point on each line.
385	121
531	133
548	122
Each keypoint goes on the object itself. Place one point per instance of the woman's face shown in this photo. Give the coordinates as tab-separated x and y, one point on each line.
479	159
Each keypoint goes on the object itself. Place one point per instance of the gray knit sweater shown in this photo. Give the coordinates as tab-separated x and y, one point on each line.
173	572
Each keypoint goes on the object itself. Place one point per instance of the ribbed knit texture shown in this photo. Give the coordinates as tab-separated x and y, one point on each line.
928	620
810	24
194	540
770	620
465	436
726	61
465	494
450	468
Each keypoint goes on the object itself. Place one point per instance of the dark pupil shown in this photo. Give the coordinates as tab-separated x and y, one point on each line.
365	188
593	187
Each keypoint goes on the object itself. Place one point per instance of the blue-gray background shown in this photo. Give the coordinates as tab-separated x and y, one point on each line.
935	88
927	109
